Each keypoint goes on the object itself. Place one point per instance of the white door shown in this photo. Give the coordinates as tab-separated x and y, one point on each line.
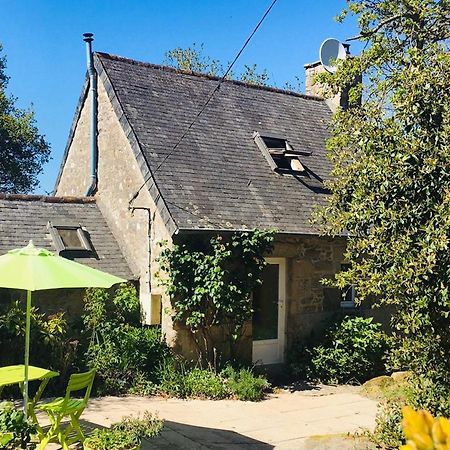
269	314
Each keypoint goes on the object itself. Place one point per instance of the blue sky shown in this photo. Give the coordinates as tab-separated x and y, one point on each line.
46	55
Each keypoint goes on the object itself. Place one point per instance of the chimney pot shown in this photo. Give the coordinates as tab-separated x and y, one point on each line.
88	37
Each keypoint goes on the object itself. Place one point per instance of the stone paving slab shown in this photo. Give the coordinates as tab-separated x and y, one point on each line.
285	420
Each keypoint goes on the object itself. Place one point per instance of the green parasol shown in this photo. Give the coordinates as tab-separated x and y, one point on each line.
37	269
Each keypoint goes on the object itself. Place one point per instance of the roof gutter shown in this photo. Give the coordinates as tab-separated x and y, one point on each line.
88	38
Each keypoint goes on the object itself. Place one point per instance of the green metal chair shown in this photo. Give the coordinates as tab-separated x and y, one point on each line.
67	407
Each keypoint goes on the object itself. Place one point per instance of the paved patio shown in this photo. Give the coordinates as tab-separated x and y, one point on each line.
308	419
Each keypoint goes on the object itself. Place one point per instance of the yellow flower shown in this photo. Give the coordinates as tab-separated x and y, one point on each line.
423	432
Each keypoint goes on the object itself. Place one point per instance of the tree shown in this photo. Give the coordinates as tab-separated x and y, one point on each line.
211	284
390	185
192	59
23	151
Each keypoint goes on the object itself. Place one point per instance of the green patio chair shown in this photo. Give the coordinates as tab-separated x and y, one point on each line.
67	406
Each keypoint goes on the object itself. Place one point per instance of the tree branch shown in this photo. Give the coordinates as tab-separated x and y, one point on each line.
376	29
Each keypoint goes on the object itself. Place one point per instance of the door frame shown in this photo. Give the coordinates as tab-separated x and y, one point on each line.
280	341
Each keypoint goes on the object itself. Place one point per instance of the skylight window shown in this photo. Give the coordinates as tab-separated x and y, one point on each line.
279	153
70	238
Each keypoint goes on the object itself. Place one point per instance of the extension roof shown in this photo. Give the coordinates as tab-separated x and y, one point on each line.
25	217
217	178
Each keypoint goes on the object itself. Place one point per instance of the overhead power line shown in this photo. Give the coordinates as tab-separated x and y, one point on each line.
208	100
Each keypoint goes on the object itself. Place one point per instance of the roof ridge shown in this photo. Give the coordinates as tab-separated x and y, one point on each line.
46	198
207	77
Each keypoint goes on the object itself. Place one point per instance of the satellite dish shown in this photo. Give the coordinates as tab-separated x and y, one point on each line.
330	51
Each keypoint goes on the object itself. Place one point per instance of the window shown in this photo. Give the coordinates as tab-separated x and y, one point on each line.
279	153
70	238
348	293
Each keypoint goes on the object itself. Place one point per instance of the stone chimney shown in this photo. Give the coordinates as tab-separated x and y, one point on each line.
312	87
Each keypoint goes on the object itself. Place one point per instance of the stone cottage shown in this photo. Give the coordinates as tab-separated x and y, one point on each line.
254	159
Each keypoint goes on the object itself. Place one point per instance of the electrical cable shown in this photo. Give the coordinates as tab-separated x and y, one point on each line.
208	100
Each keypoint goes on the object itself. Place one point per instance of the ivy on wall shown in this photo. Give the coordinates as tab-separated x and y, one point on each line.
212	285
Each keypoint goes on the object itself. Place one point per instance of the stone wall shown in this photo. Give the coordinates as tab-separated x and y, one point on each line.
119	178
51	301
309	303
311	306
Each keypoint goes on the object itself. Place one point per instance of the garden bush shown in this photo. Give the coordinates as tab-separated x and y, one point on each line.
119	347
352	352
205	383
52	346
245	385
388	428
15	430
126	434
176	380
171	377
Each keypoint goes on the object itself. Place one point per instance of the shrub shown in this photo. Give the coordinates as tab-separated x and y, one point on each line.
176	380
126	434
120	348
143	386
51	346
171	376
15	430
245	385
205	383
426	394
388	430
352	351
111	439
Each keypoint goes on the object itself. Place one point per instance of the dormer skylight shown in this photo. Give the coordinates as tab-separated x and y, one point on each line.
70	238
279	153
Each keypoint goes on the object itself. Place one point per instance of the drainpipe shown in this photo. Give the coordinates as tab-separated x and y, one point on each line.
87	37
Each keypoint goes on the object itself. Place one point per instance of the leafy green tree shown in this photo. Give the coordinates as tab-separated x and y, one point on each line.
212	286
193	59
23	151
390	185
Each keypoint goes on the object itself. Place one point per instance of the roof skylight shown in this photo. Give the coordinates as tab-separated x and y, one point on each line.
279	153
70	238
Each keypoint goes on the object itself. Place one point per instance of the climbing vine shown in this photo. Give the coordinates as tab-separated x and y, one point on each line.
211	283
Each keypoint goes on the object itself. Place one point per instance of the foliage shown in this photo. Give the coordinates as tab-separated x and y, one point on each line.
126	434
142	386
171	375
205	383
120	349
213	286
423	432
192	59
51	345
390	184
352	351
111	439
388	430
23	151
15	430
425	394
245	385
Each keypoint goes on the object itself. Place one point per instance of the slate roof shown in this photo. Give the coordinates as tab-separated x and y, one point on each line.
25	217
218	178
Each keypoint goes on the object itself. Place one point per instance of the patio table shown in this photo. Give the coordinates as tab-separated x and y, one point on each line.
10	375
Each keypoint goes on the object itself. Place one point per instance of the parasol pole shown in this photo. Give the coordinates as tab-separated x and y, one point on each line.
27	354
